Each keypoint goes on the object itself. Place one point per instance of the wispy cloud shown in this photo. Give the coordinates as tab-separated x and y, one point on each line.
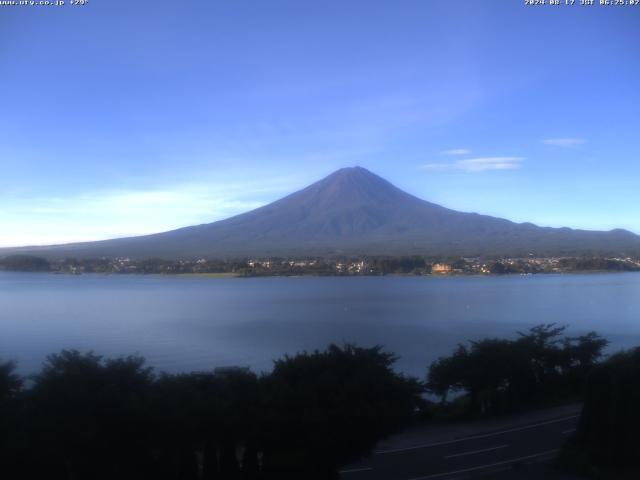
456	151
119	213
564	142
477	165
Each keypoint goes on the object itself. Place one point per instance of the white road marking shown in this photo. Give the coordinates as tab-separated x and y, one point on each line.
355	470
490	449
474	437
489	465
567	432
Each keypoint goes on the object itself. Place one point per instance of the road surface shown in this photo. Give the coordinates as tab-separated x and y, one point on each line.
493	453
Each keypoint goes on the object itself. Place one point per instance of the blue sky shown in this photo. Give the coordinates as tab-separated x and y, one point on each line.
122	118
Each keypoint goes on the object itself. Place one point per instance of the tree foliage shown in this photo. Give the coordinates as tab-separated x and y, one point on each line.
87	417
607	433
498	374
24	263
328	405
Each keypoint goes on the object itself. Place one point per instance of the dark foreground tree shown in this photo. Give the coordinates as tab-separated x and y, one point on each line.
10	382
328	408
10	387
606	442
86	417
204	422
498	375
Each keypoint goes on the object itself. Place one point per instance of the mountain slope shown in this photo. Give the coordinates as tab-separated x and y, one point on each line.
353	212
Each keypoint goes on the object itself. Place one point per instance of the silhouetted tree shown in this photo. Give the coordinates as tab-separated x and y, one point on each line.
446	374
10	434
607	433
10	382
489	371
328	408
88	417
498	375
203	420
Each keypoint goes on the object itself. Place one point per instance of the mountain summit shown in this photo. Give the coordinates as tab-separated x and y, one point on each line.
353	212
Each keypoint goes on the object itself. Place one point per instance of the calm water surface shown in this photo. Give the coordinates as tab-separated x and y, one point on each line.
187	323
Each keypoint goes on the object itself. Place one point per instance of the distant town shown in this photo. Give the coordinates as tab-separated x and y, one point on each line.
414	265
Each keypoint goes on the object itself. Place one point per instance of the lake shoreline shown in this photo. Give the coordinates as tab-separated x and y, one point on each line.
228	275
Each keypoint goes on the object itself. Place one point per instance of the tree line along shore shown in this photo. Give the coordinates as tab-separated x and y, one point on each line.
83	416
413	265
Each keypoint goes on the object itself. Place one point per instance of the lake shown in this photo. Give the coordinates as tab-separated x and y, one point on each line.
182	323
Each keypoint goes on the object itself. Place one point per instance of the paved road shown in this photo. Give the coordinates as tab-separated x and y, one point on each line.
475	456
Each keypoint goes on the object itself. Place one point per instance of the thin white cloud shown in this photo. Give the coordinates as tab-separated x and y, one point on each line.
121	213
456	151
477	165
163	205
564	142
